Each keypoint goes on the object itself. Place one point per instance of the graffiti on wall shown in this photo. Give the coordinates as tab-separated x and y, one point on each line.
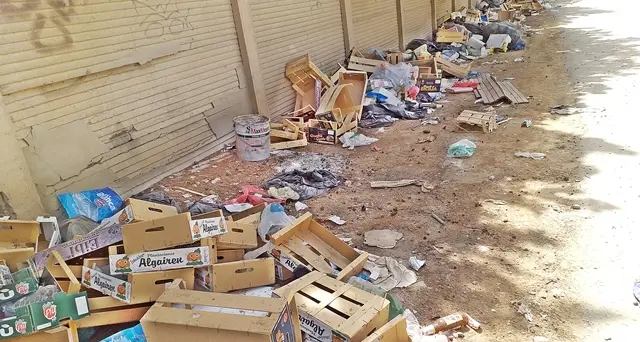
166	18
61	15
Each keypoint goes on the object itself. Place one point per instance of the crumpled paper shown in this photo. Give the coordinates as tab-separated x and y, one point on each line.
387	273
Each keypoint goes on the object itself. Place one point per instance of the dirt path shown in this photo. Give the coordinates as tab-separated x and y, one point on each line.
534	249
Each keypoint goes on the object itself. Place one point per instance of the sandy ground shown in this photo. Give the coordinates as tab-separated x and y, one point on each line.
563	243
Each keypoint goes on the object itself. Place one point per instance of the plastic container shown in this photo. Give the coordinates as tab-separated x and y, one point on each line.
252	137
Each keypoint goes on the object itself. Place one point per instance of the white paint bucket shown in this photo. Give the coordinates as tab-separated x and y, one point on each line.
252	137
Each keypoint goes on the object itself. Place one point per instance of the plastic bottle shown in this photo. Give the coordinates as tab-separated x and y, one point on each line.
454	321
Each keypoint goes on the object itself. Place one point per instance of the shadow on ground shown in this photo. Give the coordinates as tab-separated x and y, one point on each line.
487	256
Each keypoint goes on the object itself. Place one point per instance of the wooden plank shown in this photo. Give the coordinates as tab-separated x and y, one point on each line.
347	25
249	51
512	93
324	249
363	64
311	258
401	24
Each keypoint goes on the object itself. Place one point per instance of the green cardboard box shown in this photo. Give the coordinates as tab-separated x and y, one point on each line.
24	283
45	315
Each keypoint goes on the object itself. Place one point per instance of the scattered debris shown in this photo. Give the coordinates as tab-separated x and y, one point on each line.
394	184
285	193
435	217
190	191
576	207
523	309
306	184
564	109
540	339
526	123
636	290
384	238
532	155
337	220
519	59
300	206
496	202
462	149
238	207
387	273
427	187
352	140
416	263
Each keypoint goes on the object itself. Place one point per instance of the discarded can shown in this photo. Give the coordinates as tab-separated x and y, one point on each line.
252	137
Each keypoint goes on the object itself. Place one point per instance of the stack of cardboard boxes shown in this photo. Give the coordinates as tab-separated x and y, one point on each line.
179	275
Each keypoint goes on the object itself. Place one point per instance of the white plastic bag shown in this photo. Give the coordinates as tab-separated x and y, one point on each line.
352	140
273	219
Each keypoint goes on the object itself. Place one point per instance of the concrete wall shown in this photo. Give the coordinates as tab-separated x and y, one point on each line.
121	93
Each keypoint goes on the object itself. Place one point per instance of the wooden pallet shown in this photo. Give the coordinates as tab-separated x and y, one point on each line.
306	242
486	121
490	90
493	91
512	93
342	309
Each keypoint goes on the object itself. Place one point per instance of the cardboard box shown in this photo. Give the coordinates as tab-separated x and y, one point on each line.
282	273
306	242
192	316
237	275
330	310
18	242
394	331
106	284
329	132
169	232
148	286
229	255
430	85
45	315
21	287
238	235
91	242
168	259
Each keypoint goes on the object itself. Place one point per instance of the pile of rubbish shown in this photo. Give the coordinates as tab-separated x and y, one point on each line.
376	88
149	272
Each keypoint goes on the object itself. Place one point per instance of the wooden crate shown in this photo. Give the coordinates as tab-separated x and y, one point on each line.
394	331
301	71
486	121
306	242
452	68
332	310
202	316
447	36
357	90
395	57
357	61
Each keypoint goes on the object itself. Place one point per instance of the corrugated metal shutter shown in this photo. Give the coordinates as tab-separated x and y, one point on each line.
461	3
152	116
286	29
417	19
375	24
443	9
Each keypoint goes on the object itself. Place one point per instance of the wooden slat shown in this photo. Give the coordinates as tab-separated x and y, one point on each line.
512	93
324	249
313	259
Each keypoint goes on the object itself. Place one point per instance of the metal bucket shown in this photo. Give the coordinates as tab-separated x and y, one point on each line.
252	137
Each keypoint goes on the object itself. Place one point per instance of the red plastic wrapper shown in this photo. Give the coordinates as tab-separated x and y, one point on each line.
254	195
467	84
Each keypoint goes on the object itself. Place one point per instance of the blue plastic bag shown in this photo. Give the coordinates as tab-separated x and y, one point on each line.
133	334
97	204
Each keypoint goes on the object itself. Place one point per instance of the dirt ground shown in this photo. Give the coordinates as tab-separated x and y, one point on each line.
486	256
